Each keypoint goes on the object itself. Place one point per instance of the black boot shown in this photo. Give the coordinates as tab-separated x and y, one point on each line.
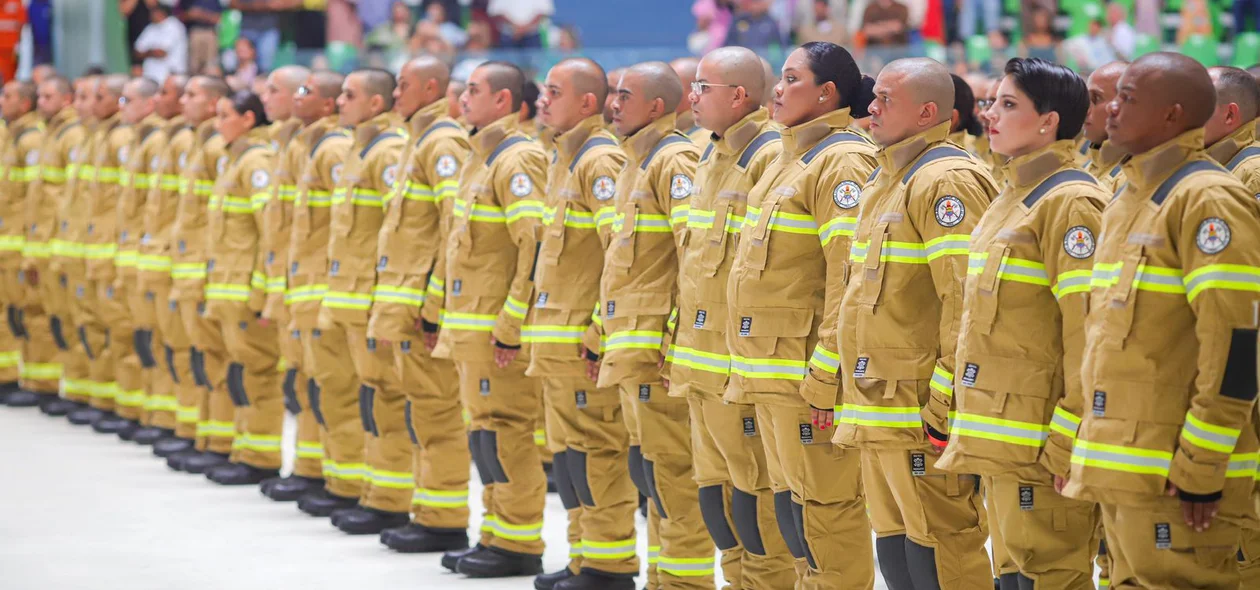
551	478
450	559
55	406
415	538
177	459
111	423
499	563
23	399
85	415
370	521
129	431
171	445
8	388
592	581
320	502
549	581
289	489
203	462
239	474
150	435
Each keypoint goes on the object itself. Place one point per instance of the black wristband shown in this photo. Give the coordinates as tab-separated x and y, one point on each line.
498	344
427	326
1198	498
590	356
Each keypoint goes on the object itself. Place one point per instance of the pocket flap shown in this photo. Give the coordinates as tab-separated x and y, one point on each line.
634	304
789	323
710	317
1135	401
902	364
1006	375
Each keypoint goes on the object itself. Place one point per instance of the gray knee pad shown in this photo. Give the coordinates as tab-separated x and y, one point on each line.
922	566
892	562
787	528
744	513
564	483
713	511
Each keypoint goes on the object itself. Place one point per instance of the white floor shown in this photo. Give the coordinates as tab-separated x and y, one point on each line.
81	510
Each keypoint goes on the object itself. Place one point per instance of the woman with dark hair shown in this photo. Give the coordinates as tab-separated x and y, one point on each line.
1022	334
965	125
789	270
235	290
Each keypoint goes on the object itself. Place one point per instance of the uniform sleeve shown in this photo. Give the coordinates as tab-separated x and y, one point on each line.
422	213
524	215
255	177
673	191
1067	247
945	215
1218	242
607	165
834	208
41	206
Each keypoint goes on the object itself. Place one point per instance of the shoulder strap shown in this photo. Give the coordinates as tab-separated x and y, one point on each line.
435	127
376	140
327	136
1119	190
503	146
63	131
874	173
668	140
27	130
1246	154
932	155
1053	182
755	146
1161	193
830	140
147	133
590	144
707	150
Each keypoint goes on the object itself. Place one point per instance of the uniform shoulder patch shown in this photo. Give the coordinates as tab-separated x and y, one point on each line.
390	175
521	185
446	166
1213	235
1079	242
950	211
32	157
604	188
259	178
846	194
680	186
221	164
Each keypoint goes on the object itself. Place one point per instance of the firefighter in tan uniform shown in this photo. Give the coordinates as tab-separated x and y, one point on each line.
687	124
1102	158
369	173
736	501
1166	447
67	257
180	173
215	427
585	429
1231	139
44	206
793	247
159	370
39	374
638	291
899	324
408	296
134	181
12	236
489	284
1034	246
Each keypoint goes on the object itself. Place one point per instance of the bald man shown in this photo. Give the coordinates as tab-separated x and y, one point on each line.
1167	477
1102	158
730	465
408	296
489	288
41	73
40	373
637	290
685	68
614	77
928	194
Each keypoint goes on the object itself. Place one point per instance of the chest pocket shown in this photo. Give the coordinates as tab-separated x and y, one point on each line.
623	238
762	229
554	234
872	266
1120	299
397	202
716	237
984	310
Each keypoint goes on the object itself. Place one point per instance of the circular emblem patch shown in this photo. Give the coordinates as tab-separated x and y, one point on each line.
1213	235
32	157
604	188
846	194
521	185
336	174
1079	242
390	175
446	166
680	186
122	154
221	165
260	178
949	211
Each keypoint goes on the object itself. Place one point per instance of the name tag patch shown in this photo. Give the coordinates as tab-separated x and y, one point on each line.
745	326
807	434
579	397
485	387
750	426
701	315
1163	535
1100	403
918	464
645	392
1025	498
970	372
859	369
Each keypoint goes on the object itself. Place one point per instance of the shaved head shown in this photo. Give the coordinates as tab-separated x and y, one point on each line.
144	87
290	77
1161	95
60	84
686	68
614	78
27	90
1254	71
772	78
505	76
114	83
1102	90
1109	71
1182	81
215	86
377	82
656	80
421	82
738	66
427	67
41	73
925	80
327	83
1236	86
587	77
738	88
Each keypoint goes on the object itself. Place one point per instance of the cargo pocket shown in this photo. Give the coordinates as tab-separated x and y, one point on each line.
984	308
635	325
697	348
1008	404
894	382
871	266
714	242
553	238
1128	415
770	352
1120	299
623	237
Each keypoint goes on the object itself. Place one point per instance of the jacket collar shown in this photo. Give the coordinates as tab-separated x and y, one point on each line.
568	143
63	117
493	134
639	145
899	155
1224	150
425	117
1030	169
255	136
1108	155
1144	170
686	121
801	138
366	131
739	135
281	132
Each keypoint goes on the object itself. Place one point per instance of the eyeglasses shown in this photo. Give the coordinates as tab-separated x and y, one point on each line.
122	101
699	87
983	103
303	91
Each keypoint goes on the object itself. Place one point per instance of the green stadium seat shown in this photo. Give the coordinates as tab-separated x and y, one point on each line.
1145	44
935	51
1202	49
341	56
286	55
978	50
1082	14
229	29
1246	50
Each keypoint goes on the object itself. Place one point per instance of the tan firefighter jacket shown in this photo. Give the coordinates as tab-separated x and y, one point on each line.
109	156
140	173
312	213
235	284
277	214
1105	163
19	156
205	163
153	263
1238	153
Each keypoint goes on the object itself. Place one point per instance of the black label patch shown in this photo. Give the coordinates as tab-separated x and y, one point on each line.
1025	497
405	345
579	397
271	257
210	265
701	315
148	295
807	434
243	326
371	344
316	333
859	370
457	287
1163	535
383	263
745	326
485	387
542	299
970	372
645	392
293	269
334	267
750	426
1100	403
918	464
612	308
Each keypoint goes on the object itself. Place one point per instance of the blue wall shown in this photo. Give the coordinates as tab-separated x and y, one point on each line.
629	23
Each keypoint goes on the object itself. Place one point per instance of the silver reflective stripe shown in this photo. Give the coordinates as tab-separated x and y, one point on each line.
1134	460
941	380
1221	439
616	340
1155	279
682	354
962	423
1220	275
1022	271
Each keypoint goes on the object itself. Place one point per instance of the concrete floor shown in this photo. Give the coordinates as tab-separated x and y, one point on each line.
84	511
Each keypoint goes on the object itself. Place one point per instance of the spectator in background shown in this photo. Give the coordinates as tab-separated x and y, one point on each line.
343	23
375	13
1122	37
520	21
201	17
1243	9
754	27
260	23
1146	17
163	45
1196	19
568	39
886	23
438	22
1039	36
39	15
137	14
450	8
713	20
1092	50
988	13
392	36
247	67
824	24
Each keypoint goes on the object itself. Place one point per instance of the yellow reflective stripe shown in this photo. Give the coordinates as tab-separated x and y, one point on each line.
262	443
344	471
487	213
942	381
161	403
358	196
903	252
310	450
231	204
523	209
100	251
1016	270
552	334
596	317
792	223
12	243
515	307
227	292
512	532
605	216
126	258
540	438
36	249
347	300
474	322
1072	281
644	223
319	199
879	416
415	191
400	295
10	358
436	287
1065	422
700	360
66	249
130	398
216	429
1157	279
635	339
837	227
1015	432
186	414
153	262
276	285
52	174
1243	465
573	219
686	567
41	371
704	219
768	368
825	360
1209	436
258	280
678	215
1232	277
1118	458
439	498
188	270
399	480
169	182
654	554
607	549
305	293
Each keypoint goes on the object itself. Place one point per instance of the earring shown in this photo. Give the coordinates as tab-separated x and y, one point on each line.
822	98
1043	131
